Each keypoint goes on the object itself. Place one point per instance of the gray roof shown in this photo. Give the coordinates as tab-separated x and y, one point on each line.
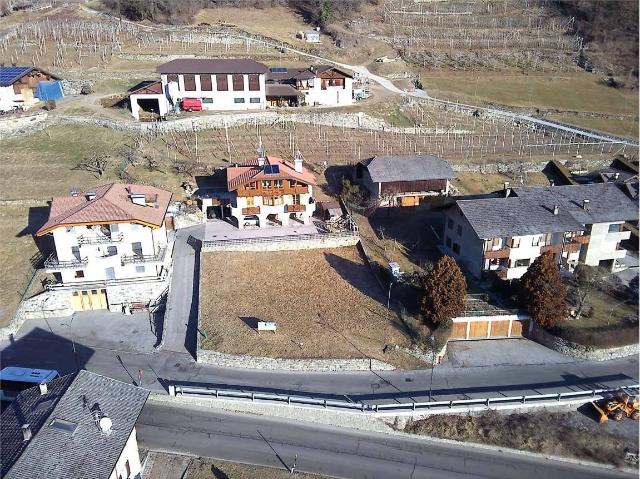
280	90
530	210
213	66
54	453
383	169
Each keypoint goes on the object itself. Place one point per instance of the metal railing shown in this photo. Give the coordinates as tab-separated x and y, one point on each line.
280	239
144	258
177	389
100	239
104	283
52	262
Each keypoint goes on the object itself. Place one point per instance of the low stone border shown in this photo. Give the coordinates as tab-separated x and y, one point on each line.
579	351
257	362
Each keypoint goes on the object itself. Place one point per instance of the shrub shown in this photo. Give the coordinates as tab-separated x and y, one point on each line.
445	291
542	293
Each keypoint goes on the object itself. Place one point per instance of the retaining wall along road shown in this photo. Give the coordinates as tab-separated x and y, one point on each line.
579	351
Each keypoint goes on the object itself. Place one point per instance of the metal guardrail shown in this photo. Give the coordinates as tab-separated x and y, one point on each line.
53	263
517	401
279	239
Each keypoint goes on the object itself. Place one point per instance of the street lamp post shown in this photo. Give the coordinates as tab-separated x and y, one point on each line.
432	340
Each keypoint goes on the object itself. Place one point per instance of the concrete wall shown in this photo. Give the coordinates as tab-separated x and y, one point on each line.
221	100
128	464
579	351
331	96
163	103
264	244
471	247
603	245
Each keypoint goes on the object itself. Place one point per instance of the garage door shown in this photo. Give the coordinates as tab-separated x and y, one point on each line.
518	327
89	299
459	331
499	329
479	329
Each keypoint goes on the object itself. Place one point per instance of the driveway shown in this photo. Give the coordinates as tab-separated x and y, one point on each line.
500	352
217	230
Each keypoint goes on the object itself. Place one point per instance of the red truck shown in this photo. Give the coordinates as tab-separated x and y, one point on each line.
191	104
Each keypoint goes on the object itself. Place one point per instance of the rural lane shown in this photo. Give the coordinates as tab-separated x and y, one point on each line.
339	452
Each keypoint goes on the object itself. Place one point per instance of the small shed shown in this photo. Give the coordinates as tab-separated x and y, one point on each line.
329	210
148	97
312	36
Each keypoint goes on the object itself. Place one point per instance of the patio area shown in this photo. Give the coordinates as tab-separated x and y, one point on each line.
219	230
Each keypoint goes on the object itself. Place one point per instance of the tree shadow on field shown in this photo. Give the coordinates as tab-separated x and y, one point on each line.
357	275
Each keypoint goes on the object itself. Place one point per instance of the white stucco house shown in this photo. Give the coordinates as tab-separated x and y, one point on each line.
317	85
74	427
266	191
109	241
505	232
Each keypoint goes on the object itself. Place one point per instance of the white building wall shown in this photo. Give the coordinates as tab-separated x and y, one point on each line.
332	96
98	260
222	100
128	464
240	202
163	103
603	245
8	99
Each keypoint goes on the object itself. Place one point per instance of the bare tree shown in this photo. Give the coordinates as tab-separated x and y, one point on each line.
96	164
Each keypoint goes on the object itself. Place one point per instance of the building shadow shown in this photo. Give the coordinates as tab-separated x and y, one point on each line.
357	275
333	176
251	322
191	338
37	217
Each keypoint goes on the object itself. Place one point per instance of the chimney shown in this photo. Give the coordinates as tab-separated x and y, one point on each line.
585	204
261	155
74	193
553	183
507	190
26	432
297	162
43	389
616	175
556	210
91	195
138	199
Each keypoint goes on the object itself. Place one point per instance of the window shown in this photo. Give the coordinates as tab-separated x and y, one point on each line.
254	84
252	186
207	100
456	248
140	269
277	183
254	100
615	228
112	250
448	242
222	82
237	82
450	223
250	202
296	199
522	262
136	248
189	82
115	228
75	251
515	242
205	83
266	184
109	273
79	274
127	468
459	230
172	77
238	100
272	200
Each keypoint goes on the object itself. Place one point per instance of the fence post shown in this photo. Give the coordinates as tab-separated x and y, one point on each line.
559	396
523	399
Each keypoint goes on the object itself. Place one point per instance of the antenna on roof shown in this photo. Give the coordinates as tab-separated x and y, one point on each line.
261	153
101	420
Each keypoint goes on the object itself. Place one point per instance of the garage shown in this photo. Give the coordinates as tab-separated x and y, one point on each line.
148	101
88	300
489	327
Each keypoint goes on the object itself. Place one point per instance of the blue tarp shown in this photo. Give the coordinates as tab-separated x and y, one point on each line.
49	90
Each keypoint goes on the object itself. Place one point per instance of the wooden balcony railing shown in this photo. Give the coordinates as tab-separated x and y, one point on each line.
555	248
251	210
572	247
502	273
294	208
497	254
53	263
285	190
584	239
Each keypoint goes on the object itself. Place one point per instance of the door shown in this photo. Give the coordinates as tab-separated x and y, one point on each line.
110	273
76	301
136	248
85	300
98	298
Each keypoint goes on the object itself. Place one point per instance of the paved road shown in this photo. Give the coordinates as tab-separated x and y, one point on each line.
338	452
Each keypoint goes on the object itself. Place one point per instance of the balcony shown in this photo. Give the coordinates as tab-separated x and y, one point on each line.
52	263
144	258
572	247
498	253
100	239
584	239
294	208
252	210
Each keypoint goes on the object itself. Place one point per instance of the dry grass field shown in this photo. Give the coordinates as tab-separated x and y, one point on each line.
326	304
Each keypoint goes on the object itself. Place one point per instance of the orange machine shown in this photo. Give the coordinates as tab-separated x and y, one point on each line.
617	408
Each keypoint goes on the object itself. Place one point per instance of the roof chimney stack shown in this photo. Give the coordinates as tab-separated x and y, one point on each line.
262	156
43	389
26	432
556	210
616	175
297	162
507	190
91	195
585	204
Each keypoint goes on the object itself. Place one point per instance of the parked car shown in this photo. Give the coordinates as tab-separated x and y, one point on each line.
192	104
252	220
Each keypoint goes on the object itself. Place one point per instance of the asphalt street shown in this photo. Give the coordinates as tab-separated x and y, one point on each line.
339	452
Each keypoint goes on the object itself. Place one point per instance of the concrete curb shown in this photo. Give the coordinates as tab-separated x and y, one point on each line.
368	423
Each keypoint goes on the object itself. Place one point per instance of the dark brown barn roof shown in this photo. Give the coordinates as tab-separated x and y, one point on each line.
217	65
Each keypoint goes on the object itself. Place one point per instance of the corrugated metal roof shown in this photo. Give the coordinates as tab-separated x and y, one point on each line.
384	169
69	453
213	66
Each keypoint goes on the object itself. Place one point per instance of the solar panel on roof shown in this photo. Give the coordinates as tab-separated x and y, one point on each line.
8	75
271	169
279	70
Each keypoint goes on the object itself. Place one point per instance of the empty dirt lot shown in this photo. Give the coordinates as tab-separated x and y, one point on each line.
326	304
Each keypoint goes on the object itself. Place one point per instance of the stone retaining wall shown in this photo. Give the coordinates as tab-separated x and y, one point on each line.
321	241
256	362
48	304
11	126
579	351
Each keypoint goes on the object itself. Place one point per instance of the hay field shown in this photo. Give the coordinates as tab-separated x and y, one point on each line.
326	304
